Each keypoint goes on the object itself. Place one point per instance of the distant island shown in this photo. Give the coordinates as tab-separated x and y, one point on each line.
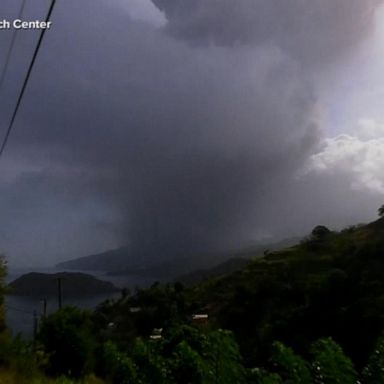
73	284
123	261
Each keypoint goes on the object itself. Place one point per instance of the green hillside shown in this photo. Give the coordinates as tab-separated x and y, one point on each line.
310	313
330	284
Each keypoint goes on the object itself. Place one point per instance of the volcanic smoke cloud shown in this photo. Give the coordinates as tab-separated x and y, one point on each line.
175	139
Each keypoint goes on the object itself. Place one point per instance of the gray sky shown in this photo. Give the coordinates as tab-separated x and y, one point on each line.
182	126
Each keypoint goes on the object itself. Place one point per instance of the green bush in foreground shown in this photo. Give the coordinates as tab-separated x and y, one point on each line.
67	338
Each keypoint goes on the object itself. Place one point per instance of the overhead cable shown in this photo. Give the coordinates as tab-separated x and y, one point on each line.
11	46
25	83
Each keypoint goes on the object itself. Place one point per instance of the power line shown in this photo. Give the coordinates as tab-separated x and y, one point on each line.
31	65
11	46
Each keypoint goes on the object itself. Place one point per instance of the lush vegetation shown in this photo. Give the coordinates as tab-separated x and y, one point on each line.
311	313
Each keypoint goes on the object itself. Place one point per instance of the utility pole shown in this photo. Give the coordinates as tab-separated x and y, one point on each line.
59	292
35	325
44	301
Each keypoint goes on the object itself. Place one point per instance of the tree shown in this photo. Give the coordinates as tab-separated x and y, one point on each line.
261	376
67	338
184	355
222	353
320	231
381	211
330	364
119	368
291	366
373	373
3	273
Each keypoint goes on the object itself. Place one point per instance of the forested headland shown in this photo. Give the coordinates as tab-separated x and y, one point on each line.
310	313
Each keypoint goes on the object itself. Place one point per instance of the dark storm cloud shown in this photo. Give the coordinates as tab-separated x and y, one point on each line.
178	148
188	136
310	30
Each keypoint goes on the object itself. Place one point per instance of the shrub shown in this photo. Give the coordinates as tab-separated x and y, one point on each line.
66	336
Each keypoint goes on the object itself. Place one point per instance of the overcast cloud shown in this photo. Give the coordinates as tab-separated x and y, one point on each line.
189	127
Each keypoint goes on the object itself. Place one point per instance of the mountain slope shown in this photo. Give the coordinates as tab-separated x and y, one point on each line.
105	261
123	261
330	284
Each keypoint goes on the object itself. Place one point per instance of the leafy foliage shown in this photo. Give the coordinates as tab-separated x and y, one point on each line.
330	364
320	232
292	367
261	376
330	284
66	336
121	369
373	373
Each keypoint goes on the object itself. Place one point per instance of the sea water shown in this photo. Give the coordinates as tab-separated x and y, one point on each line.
22	311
